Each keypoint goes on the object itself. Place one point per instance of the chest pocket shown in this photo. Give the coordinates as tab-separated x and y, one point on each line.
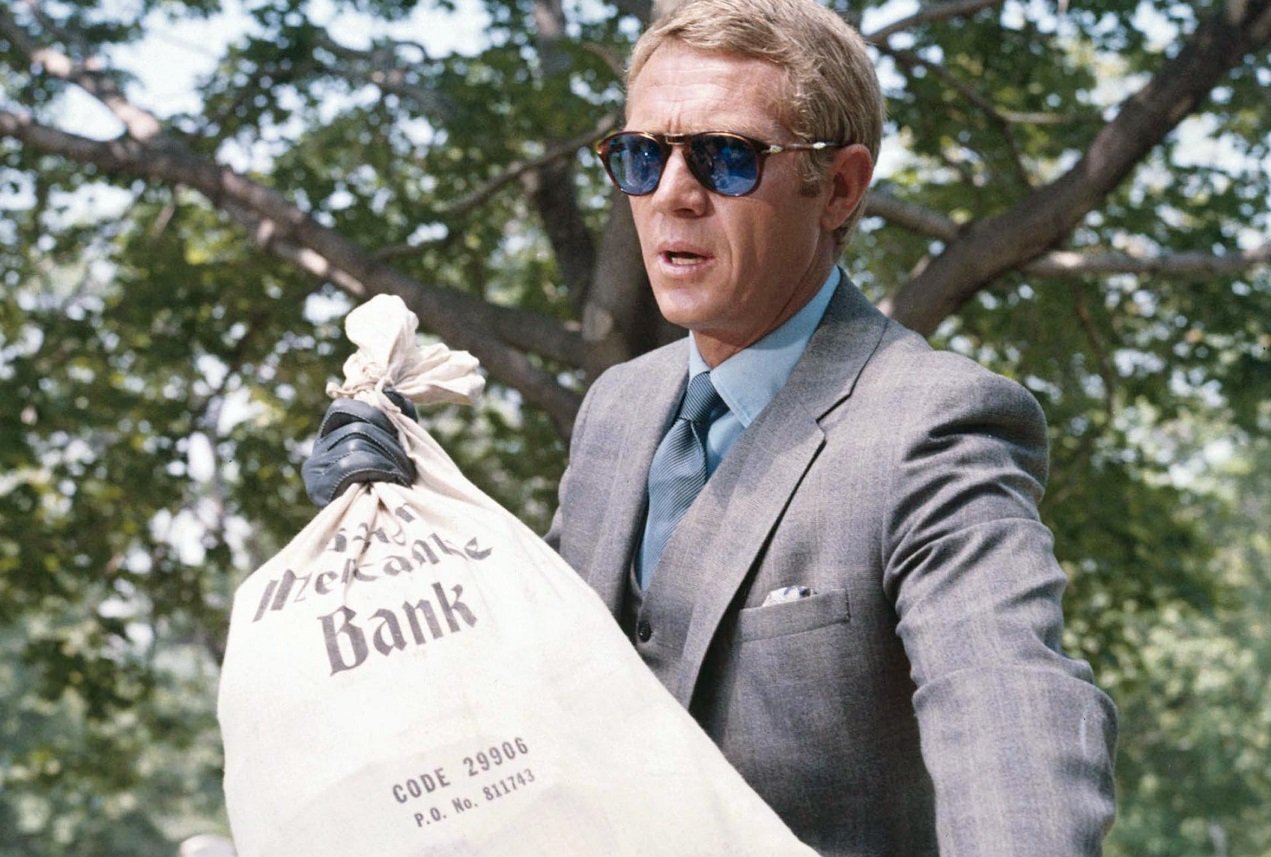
793	617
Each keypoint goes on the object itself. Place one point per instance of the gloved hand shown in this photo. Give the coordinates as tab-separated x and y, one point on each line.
356	443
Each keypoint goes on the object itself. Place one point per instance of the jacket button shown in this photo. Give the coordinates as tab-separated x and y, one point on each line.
644	631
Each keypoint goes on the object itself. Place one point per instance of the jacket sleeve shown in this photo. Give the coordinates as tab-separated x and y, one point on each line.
1018	740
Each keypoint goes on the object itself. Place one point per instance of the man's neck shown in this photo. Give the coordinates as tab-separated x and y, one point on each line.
715	348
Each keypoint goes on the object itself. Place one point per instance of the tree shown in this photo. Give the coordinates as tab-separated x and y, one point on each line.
1196	780
1076	197
1026	205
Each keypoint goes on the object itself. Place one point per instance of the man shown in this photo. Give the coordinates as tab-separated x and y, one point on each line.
830	553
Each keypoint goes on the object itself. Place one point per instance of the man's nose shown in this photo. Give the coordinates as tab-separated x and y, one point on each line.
679	190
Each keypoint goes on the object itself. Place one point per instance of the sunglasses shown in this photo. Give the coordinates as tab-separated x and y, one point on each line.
726	163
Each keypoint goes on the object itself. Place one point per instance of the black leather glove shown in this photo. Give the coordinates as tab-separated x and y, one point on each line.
356	443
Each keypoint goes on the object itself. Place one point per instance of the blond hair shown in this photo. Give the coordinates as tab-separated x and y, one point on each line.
833	89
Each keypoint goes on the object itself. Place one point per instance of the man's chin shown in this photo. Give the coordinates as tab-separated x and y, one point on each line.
678	314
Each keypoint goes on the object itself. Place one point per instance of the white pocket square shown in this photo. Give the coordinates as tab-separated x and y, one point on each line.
786	593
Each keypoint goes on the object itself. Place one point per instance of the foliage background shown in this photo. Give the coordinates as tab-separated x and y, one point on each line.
165	339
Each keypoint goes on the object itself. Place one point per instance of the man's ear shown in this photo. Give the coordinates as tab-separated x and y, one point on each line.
848	176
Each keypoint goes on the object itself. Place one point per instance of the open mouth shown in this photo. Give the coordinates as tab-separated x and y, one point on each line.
677	257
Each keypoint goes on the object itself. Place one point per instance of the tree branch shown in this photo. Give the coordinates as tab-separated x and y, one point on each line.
380	67
279	226
523	330
909	59
1068	263
551	186
461	320
46	21
140	124
930	14
990	247
517	169
378	57
915	218
553	195
1096	347
610	58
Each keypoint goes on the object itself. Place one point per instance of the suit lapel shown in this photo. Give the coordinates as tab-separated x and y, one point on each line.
716	545
649	400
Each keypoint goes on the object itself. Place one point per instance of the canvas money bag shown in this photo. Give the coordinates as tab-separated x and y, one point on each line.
417	673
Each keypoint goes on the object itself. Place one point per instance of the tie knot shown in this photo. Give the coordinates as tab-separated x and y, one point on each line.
701	400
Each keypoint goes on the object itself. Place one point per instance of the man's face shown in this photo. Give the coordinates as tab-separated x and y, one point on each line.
730	269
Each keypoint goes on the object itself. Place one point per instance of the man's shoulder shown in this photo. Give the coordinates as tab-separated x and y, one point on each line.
660	364
916	379
628	384
907	358
895	363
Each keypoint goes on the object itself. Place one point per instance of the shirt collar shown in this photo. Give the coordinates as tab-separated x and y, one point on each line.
750	379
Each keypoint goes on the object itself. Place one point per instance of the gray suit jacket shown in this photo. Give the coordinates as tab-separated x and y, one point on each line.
918	698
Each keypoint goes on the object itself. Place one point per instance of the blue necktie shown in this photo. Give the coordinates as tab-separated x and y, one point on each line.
678	471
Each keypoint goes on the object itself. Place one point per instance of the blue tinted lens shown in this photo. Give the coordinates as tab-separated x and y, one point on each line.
635	162
726	165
